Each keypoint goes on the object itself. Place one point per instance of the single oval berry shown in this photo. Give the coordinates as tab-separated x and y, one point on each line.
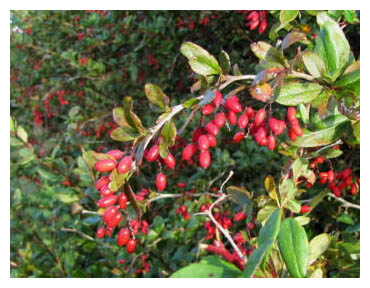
101	182
212	140
161	181
291	114
346	172
233	104
130	246
123	236
105	191
217	101
240	216
336	191
263	142
306	209
271	142
152	154
203	142
116	154
108	231
354	190
122	201
100	232
323	175
274	125
189	151
204	159
239	136
250	112
208	109
243	121
220	119
292	135
107	201
105	165
261	134
297	130
124	165
181	185
282	127
232	118
260	117
212	129
170	161
110	213
331	176
197	133
320	160
115	220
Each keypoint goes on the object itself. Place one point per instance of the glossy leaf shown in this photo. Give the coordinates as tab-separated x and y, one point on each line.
294	248
291	38
126	133
287	191
299	167
156	96
287	16
265	51
270	187
271	228
266	211
318	245
295	93
256	258
293	205
350	81
224	60
313	63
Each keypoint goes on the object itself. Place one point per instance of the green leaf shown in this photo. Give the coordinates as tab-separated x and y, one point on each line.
15	141
200	60
345	218
287	16
132	119
67	198
156	96
208	269
350	16
291	38
293	205
318	245
242	197
305	117
22	134
271	188
224	60
318	198
320	137
295	93
256	258
13	124
350	81
271	228
302	220
294	248
124	134
318	273
118	179
287	191
299	167
266	211
332	45
356	130
191	102
330	121
168	134
313	63
264	51
119	117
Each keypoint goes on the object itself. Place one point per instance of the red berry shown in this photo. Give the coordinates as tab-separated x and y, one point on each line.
212	140
231	117
261	134
233	104
347	172
197	133
161	181
297	130
336	191
239	136
251	226
354	189
271	142
124	165
212	129
348	181
122	201
250	112
220	119
330	176
131	245
260	117
308	185
100	232
116	154
208	109
204	159
291	114
320	160
170	161
110	213
323	175
281	128
239	216
189	151
101	182
306	209
108	231
105	191
123	236
243	121
107	201
274	125
181	185
203	142
116	219
358	181
263	142
292	135
217	101
105	165
152	154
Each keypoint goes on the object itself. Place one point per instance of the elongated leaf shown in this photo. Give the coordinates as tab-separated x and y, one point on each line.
350	81
22	134
119	117
13	124
124	134
256	258
293	245
132	119
313	63
264	51
271	187
293	205
168	139
291	38
200	60
318	198
299	167
287	191
156	96
318	245
320	137
295	93
302	220
271	228
266	211
305	117
242	197
287	16
224	60
332	45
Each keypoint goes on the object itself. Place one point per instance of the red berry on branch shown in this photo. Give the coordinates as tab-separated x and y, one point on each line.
107	201
131	245
260	135
274	125
161	182
293	137
122	201
197	133
271	142
239	216
123	236
170	161
208	109
306	209
291	114
243	121
331	176
105	191
217	101
264	142
181	185
153	153
100	232
320	160
116	154
354	190
231	117
220	119
189	151
105	165
212	129
212	140
115	220
260	117
251	225
203	142
250	112
297	130
124	165
204	159
239	136
101	182
110	213
347	172
233	104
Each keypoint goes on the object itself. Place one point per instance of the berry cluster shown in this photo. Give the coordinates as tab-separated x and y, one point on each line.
255	19
184	211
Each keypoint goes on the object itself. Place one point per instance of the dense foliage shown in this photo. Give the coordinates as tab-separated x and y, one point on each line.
291	208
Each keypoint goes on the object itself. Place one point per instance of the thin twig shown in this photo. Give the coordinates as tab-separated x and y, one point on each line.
231	173
345	202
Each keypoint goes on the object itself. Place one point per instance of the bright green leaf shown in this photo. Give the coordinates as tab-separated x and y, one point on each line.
295	93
